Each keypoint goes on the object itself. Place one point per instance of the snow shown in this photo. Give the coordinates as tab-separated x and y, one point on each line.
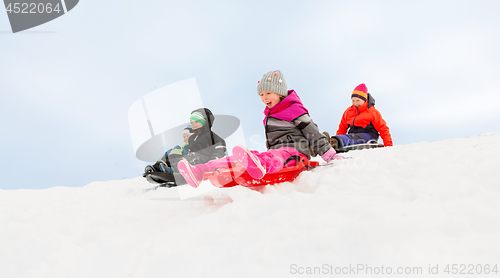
417	207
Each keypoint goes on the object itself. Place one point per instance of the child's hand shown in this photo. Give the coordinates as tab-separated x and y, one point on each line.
330	155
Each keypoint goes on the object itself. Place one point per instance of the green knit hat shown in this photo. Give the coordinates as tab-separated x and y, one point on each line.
199	117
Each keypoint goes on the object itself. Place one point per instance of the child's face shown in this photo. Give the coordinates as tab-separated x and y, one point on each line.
195	124
270	99
186	137
356	101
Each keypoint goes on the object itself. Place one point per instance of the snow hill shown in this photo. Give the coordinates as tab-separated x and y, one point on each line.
411	209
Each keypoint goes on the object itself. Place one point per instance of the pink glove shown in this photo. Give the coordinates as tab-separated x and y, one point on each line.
330	155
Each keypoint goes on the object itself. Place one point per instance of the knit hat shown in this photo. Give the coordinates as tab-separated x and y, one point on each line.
360	92
187	130
199	117
273	81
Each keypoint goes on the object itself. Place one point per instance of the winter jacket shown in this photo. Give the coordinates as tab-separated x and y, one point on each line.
365	119
288	124
179	150
204	144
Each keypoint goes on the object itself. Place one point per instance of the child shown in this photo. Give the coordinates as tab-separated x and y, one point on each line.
160	165
186	132
289	132
202	144
361	122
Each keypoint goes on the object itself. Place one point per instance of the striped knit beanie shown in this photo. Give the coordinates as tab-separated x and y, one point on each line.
199	117
360	92
273	81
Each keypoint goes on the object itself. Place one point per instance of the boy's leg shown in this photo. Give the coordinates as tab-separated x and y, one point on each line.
148	169
360	138
328	138
340	141
164	164
159	166
327	135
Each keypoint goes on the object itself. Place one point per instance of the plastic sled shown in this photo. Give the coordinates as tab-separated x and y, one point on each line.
360	147
164	179
237	175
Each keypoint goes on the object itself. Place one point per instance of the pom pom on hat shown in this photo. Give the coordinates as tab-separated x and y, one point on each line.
273	81
360	92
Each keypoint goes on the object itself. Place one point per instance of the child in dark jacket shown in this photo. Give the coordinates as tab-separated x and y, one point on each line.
204	144
361	122
289	129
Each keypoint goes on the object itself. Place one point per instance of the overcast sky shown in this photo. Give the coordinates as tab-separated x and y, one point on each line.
66	86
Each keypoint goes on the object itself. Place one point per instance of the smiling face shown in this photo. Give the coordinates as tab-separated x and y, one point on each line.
356	101
270	99
195	124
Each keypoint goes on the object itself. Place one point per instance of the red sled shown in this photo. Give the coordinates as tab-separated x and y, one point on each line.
236	174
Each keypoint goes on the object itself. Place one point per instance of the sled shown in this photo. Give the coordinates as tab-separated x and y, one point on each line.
236	174
164	179
360	147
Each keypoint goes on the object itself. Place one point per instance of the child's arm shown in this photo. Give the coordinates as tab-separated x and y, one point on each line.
205	155
174	150
311	132
211	152
218	149
185	149
382	128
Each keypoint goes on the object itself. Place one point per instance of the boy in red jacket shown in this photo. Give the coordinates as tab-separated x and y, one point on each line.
361	122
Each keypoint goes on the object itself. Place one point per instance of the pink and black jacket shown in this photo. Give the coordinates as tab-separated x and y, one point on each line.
288	124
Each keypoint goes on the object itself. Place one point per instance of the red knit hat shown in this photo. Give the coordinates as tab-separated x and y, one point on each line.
360	92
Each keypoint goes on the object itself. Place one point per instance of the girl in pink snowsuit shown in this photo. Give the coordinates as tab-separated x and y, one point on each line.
289	132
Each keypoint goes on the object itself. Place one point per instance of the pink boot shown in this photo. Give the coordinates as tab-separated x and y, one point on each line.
251	162
191	174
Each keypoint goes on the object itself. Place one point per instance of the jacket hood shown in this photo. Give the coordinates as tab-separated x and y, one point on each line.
368	103
370	100
288	109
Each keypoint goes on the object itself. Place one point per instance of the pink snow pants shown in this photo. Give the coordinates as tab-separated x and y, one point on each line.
273	160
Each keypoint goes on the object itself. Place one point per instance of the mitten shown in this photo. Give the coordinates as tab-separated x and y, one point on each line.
330	155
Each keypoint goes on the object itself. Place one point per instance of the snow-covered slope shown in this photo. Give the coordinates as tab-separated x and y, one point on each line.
408	208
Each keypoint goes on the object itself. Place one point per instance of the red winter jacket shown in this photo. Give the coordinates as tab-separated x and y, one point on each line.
365	119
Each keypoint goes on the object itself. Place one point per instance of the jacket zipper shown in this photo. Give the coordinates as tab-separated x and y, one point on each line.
355	117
